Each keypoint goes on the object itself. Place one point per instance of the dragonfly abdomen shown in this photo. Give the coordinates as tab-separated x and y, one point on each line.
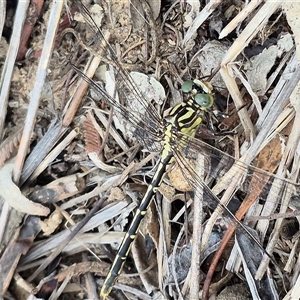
129	238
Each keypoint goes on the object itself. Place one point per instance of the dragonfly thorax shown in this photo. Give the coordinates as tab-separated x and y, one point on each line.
185	117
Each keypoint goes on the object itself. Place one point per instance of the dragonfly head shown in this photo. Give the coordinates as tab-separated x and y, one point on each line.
200	91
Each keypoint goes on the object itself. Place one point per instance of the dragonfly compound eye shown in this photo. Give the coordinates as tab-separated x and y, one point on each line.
187	86
204	100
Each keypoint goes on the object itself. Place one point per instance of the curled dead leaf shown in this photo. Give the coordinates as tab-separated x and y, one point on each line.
12	194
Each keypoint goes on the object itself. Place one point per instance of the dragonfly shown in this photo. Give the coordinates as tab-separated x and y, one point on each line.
174	138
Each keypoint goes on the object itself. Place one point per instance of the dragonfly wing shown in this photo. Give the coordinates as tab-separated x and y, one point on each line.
250	183
128	99
219	164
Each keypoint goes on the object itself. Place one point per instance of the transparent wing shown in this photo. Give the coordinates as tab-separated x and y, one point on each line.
143	116
144	127
255	186
218	163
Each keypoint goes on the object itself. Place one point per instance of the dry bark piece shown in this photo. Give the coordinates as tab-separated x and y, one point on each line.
59	189
19	245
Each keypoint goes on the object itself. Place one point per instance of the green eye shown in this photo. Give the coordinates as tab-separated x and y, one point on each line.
204	100
187	86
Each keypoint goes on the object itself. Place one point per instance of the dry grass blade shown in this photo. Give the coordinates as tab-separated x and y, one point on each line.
240	43
197	224
200	19
85	224
239	18
42	160
8	67
38	87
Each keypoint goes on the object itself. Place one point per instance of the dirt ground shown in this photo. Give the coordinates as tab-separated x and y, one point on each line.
76	161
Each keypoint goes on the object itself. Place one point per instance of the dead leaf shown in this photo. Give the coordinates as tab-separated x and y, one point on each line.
12	194
50	224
